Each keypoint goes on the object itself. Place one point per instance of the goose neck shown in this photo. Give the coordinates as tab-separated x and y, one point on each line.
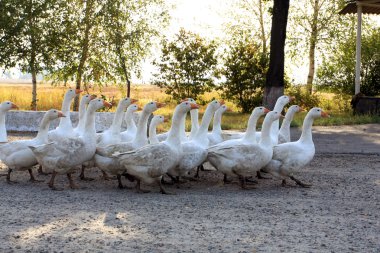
265	132
250	133
306	135
194	122
206	119
43	129
217	123
285	125
174	132
90	123
142	128
66	121
117	120
129	120
153	133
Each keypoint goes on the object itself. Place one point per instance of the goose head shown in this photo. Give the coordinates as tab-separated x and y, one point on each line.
87	98
283	100
133	108
215	104
317	112
186	106
97	104
54	114
158	119
224	108
125	102
72	93
152	106
7	105
293	110
273	115
259	111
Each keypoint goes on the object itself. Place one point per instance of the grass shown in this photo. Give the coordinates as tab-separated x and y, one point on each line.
51	97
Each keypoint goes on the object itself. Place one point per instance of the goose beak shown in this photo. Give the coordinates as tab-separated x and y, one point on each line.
134	101
60	115
301	110
266	110
292	98
107	104
92	97
166	119
139	108
160	105
221	102
194	106
77	91
325	114
14	106
229	110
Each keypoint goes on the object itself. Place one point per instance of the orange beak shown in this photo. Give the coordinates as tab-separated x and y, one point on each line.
106	104
301	109
292	98
166	120
134	101
60	114
266	110
194	106
229	110
139	108
159	105
14	106
325	114
77	91
221	102
92	97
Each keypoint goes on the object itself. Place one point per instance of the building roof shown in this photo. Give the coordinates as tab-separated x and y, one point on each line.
368	7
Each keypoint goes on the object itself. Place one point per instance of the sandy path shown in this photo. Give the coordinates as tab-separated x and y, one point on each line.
340	213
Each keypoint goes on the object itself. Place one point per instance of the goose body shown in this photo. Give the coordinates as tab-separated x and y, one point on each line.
103	157
291	156
244	159
17	156
194	152
4	107
64	155
149	163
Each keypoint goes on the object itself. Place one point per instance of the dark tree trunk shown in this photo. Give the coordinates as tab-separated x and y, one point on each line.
85	46
313	45
274	86
34	90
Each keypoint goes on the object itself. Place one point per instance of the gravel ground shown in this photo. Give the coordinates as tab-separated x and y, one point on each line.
340	213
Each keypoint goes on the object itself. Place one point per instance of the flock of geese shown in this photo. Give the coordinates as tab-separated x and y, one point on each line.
147	158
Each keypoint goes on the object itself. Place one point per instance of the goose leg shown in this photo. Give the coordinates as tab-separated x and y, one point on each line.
138	187
32	178
73	185
251	180
106	176
226	180
298	182
51	182
83	177
9	181
162	189
260	175
41	172
120	183
244	185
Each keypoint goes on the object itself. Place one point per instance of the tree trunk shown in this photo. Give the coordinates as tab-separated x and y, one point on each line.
274	86
85	46
128	87
34	90
313	43
262	27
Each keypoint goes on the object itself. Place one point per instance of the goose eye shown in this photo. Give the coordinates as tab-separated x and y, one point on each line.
151	103
187	103
55	111
99	100
8	103
318	110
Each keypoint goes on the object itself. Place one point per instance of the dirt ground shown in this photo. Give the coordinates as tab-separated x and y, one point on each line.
339	213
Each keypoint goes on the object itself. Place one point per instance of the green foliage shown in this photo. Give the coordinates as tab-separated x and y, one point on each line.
244	70
337	73
302	97
187	66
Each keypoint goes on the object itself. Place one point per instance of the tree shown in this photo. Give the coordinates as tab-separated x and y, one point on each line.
27	36
187	66
244	70
131	27
274	86
315	22
337	71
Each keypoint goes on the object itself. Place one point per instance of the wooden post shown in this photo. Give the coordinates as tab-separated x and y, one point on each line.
358	49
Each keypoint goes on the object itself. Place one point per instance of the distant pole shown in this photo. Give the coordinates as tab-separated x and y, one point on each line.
358	48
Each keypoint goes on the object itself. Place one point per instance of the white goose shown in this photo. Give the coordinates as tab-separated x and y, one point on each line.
291	156
150	163
18	157
79	129
4	107
103	157
284	133
65	128
194	152
245	159
130	133
64	155
215	136
109	136
158	119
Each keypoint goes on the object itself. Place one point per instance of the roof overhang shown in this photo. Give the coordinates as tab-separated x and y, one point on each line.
368	7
